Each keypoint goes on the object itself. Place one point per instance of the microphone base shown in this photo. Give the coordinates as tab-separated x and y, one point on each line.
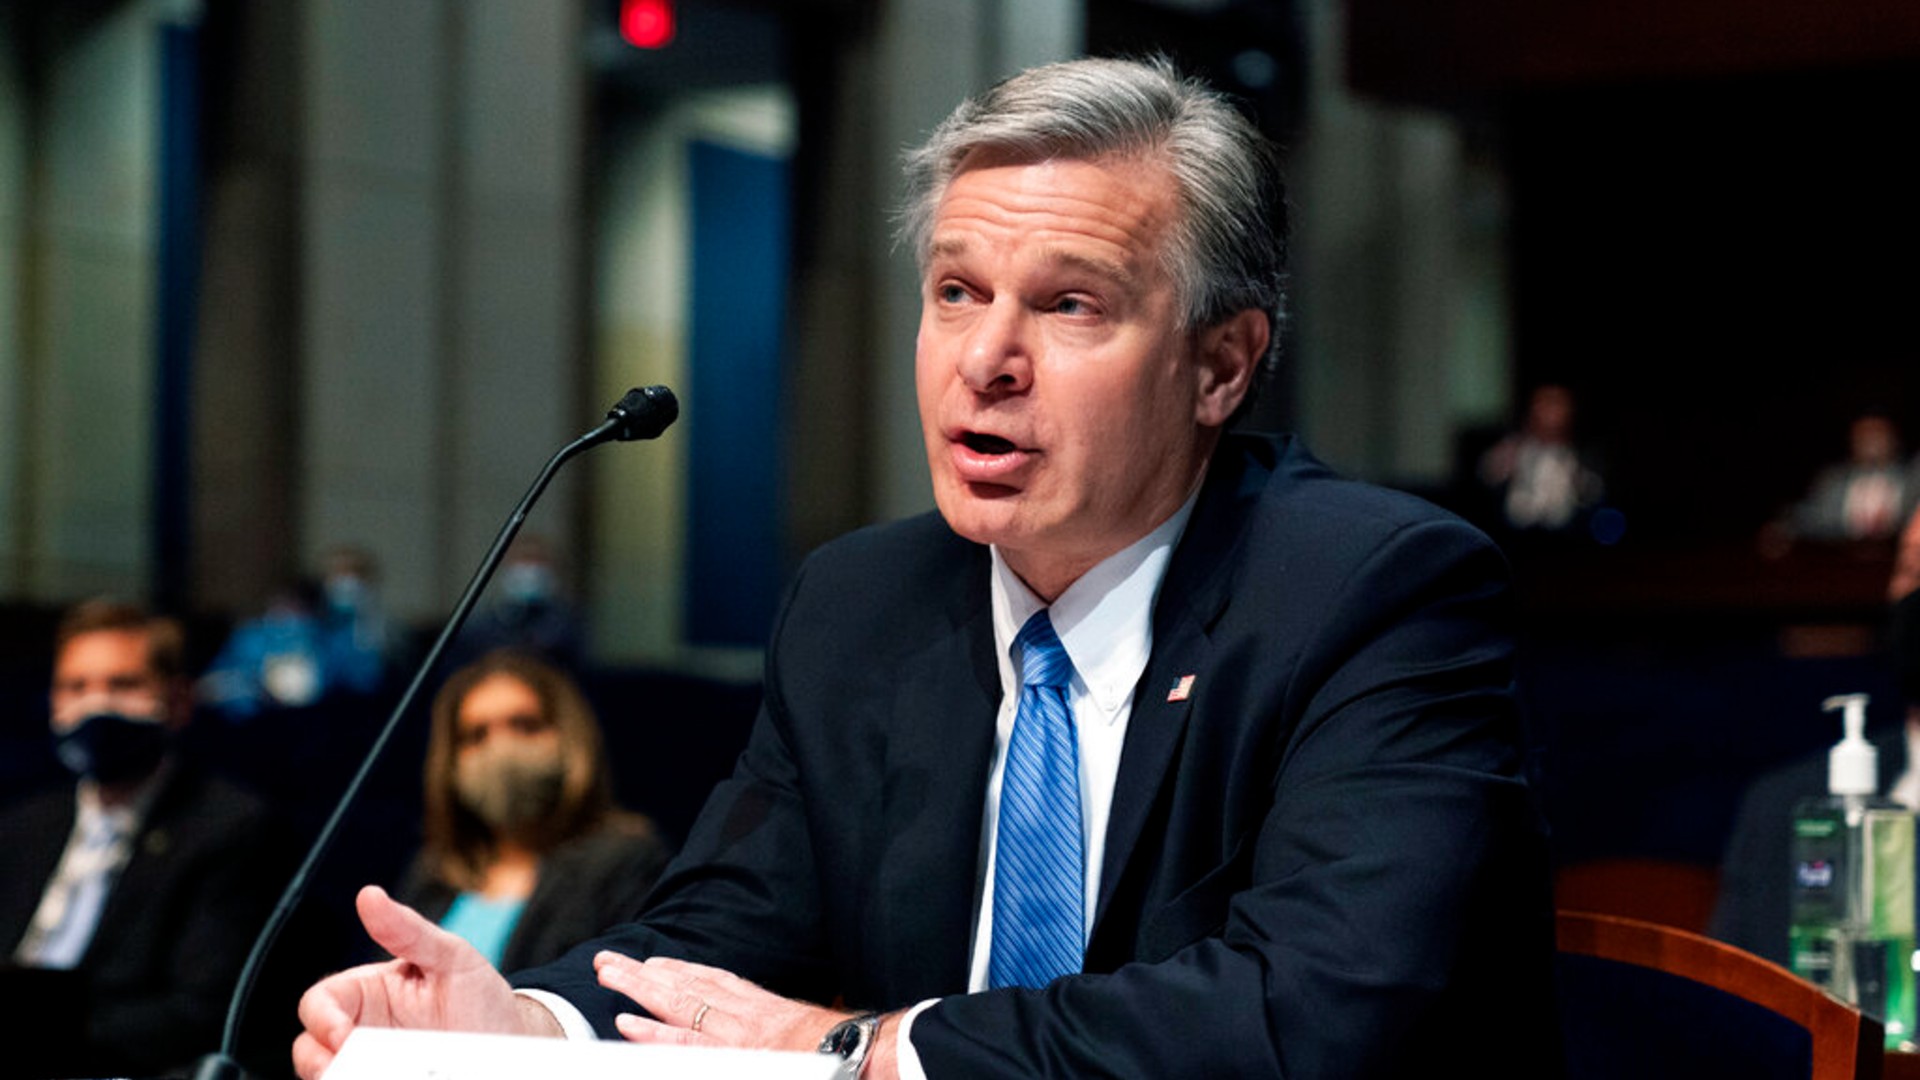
219	1067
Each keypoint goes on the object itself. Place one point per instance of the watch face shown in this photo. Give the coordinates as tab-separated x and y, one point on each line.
842	1040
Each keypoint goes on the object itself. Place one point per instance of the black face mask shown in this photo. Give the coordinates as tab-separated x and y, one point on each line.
1903	638
111	748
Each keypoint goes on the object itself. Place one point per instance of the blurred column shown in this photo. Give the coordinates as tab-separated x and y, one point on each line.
82	453
438	281
15	117
1399	278
513	371
247	365
373	273
643	250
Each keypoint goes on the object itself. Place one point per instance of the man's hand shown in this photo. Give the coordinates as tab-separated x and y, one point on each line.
436	981
698	1005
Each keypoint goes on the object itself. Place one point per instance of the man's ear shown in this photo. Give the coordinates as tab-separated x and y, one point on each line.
1229	358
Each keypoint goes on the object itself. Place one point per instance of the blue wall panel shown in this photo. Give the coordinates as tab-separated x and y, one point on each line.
737	343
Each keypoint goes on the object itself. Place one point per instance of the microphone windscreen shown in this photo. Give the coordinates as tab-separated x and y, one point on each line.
644	413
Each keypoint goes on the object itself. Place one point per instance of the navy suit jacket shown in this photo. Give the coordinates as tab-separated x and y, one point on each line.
1322	862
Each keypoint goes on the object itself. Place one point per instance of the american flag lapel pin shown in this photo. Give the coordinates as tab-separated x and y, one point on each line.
1182	689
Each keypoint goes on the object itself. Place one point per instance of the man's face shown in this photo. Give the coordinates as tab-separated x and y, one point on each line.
109	670
1065	411
1875	440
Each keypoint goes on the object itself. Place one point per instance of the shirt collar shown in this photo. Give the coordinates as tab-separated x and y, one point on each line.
1104	619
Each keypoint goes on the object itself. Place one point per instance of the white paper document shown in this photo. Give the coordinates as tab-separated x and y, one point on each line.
390	1054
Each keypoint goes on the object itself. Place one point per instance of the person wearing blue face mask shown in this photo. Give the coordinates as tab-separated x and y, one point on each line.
145	879
318	639
528	611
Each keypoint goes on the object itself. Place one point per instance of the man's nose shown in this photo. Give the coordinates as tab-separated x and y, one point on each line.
998	355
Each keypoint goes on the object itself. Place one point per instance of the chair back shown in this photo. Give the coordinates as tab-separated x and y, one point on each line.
1641	1001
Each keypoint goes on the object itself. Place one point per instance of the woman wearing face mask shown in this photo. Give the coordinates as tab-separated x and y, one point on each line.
525	854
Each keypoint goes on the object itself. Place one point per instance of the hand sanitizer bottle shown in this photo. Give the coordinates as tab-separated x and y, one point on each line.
1853	884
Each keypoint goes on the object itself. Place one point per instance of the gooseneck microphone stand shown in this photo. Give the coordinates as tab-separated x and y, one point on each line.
642	414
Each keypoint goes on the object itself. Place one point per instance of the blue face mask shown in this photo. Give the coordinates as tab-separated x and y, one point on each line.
345	593
111	748
528	583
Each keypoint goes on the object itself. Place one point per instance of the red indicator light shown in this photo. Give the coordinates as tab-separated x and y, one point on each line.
646	24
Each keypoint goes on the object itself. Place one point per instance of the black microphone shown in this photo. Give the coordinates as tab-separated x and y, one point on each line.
642	414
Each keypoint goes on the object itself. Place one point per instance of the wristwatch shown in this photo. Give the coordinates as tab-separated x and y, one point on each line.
851	1040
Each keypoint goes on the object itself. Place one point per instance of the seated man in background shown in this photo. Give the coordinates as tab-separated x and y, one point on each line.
1865	497
145	881
1157	751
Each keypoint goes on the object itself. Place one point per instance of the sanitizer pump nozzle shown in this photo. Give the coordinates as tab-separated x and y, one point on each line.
1853	765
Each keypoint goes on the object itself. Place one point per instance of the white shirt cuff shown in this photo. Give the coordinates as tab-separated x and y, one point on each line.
905	1058
573	1023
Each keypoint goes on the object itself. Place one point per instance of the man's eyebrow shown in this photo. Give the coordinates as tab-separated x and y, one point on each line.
1116	272
1108	269
946	247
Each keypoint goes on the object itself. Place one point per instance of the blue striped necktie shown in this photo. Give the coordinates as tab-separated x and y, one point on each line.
1039	868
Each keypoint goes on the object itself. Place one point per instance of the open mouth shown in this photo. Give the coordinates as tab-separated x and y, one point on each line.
986	444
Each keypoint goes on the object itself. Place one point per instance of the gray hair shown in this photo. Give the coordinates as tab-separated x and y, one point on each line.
1228	250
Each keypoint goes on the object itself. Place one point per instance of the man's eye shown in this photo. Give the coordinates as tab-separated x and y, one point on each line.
950	293
1072	305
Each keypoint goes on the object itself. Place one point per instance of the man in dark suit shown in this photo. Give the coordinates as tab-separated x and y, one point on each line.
1292	836
144	883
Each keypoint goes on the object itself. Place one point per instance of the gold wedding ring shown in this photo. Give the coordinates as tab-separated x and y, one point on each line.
701	1015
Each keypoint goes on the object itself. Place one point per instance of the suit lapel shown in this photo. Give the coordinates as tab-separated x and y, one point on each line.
1195	592
148	864
939	750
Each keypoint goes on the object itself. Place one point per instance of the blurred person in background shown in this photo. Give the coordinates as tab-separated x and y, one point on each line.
314	640
1865	497
530	611
1541	481
525	853
360	637
144	881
